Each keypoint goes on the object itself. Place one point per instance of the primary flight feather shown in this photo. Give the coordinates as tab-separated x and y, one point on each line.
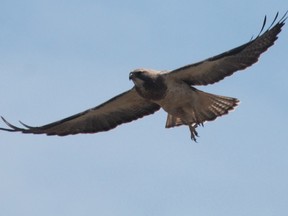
172	91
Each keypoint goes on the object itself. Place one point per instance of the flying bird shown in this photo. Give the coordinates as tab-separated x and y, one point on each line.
173	91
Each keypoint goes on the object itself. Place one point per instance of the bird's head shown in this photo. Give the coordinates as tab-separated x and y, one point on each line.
140	76
148	83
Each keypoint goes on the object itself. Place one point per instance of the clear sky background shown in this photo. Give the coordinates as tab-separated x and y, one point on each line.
60	57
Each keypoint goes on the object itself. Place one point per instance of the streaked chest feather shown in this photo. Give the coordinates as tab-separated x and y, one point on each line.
177	96
152	89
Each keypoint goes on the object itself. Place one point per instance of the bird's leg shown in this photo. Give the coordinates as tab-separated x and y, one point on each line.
193	131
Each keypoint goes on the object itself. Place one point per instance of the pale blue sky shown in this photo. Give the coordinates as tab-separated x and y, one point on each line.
60	57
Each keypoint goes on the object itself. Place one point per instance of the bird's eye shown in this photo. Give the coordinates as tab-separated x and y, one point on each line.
140	74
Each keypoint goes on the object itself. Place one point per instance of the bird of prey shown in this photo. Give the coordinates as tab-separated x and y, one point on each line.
172	91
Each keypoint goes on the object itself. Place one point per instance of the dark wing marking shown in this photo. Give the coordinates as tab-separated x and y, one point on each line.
218	67
123	108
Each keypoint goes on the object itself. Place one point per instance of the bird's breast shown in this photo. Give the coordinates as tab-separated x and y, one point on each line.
177	96
153	90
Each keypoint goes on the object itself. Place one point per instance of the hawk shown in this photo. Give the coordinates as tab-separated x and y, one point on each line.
173	91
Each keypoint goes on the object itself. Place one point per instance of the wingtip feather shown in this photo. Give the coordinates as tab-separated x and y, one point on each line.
25	125
13	127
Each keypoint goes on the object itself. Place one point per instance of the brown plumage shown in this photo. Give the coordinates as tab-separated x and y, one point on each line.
173	91
123	108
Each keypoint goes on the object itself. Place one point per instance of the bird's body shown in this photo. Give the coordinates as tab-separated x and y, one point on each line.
184	104
173	91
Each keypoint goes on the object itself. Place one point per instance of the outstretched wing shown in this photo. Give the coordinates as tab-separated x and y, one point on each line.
123	108
218	67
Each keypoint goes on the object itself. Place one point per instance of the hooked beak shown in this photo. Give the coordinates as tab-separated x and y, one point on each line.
131	76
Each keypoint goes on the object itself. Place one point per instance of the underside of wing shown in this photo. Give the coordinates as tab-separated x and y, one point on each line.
218	67
123	108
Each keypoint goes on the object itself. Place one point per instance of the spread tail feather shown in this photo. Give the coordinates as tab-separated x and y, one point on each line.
208	108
